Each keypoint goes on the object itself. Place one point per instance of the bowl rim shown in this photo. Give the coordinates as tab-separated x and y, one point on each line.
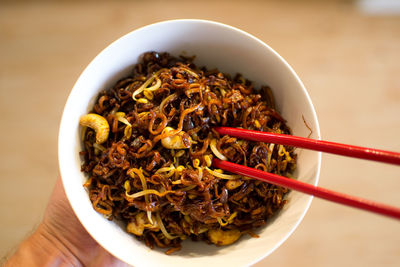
69	195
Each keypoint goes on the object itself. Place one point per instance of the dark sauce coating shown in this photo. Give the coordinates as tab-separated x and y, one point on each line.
192	201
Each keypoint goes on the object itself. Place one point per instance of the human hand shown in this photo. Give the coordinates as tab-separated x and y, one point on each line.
61	240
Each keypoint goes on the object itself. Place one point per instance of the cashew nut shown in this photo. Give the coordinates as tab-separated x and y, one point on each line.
223	238
141	222
175	141
97	123
137	227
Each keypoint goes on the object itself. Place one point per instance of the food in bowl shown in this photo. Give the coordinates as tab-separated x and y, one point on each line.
148	145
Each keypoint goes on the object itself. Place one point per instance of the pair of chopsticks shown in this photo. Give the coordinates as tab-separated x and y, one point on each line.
318	145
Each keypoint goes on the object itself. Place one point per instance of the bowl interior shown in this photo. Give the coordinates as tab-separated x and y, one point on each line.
215	45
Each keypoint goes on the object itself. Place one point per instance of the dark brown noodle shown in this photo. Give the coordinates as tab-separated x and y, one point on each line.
188	198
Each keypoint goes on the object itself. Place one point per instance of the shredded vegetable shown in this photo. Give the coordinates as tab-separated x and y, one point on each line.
214	149
223	176
139	173
148	191
162	227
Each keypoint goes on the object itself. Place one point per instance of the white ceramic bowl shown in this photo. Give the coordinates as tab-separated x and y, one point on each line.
215	45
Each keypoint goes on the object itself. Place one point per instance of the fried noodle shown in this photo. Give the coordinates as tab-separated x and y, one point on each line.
154	171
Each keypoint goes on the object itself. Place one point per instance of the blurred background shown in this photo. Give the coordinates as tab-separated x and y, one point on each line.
346	52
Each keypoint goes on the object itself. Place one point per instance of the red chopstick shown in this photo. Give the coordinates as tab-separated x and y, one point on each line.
318	145
316	191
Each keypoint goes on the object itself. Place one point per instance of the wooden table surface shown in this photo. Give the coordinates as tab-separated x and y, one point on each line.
348	61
